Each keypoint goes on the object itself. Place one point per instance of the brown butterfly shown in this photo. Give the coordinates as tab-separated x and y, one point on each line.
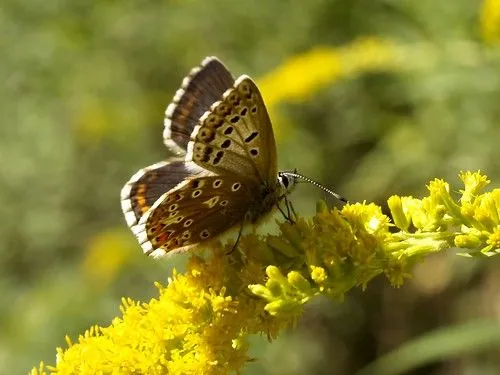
227	175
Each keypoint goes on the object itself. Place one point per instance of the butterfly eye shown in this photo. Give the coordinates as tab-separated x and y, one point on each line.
284	181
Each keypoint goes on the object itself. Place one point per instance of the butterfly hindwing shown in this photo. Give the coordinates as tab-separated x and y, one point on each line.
236	135
150	183
198	210
203	86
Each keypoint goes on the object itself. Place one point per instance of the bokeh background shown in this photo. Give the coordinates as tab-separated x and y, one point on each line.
370	97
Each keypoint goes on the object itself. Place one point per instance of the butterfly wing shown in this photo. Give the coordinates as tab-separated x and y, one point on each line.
146	186
203	86
236	136
197	210
229	172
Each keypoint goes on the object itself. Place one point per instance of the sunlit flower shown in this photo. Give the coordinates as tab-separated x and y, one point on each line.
490	20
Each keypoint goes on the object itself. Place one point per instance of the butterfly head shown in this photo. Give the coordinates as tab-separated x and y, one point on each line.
286	182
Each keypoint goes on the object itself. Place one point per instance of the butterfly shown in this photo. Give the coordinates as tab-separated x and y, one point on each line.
225	174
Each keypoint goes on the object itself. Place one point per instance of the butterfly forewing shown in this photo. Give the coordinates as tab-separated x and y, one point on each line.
236	136
150	183
198	210
200	89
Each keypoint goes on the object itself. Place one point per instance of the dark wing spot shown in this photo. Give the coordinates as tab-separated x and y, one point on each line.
224	109
218	157
229	130
245	88
251	137
195	183
254	152
243	111
207	135
254	109
226	143
233	98
235	119
219	123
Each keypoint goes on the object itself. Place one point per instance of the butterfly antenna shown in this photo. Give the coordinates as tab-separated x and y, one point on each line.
301	178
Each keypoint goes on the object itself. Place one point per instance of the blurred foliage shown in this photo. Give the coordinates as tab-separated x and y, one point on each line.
84	89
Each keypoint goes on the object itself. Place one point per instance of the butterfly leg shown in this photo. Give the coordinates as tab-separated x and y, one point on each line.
237	238
292	215
286	215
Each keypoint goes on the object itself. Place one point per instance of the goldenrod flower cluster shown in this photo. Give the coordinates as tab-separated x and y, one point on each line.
200	322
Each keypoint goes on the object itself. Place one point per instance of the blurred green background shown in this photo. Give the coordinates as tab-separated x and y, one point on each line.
370	97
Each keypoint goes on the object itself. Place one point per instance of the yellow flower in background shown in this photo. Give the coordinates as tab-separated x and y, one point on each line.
298	78
119	249
302	75
490	20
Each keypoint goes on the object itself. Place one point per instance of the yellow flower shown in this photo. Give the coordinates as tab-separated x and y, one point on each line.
201	320
302	75
490	20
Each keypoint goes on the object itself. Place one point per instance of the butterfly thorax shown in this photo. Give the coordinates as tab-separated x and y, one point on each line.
264	202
